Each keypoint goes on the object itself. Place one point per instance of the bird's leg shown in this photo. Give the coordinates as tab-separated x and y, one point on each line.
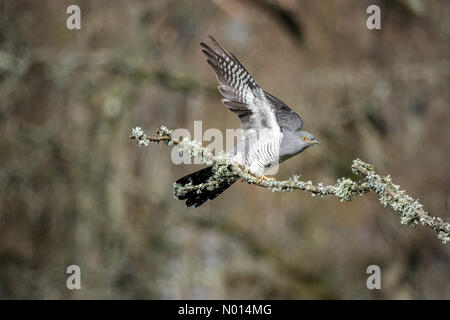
263	177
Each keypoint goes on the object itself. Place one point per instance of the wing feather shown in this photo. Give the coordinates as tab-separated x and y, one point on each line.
286	117
255	107
241	93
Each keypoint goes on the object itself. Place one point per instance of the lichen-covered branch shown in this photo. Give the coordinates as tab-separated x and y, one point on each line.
410	210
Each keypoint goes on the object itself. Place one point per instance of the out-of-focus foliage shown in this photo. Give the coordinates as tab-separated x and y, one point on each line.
74	190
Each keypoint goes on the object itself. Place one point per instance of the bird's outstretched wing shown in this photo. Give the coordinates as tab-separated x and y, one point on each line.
242	95
287	119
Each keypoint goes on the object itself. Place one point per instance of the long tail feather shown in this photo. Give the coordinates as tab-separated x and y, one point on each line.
194	198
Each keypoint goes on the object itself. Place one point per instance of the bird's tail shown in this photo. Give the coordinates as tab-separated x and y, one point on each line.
210	189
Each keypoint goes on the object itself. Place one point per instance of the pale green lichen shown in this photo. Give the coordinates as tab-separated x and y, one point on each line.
163	130
141	138
343	189
444	236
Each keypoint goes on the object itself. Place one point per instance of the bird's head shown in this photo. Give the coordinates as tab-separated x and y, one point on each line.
294	142
306	139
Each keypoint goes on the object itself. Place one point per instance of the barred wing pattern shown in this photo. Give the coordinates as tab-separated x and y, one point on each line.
241	93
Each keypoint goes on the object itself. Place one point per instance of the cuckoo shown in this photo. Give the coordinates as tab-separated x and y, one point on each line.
271	131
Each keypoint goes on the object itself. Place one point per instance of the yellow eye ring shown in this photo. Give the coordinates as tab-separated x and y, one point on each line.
304	138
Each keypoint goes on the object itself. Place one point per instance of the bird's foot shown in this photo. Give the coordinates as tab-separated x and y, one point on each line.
263	177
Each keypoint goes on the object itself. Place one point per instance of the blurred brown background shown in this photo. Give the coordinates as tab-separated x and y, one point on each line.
75	190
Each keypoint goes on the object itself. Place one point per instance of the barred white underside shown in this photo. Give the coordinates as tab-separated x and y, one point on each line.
264	153
258	151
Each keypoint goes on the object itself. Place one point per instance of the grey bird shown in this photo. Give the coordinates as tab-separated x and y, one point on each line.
271	131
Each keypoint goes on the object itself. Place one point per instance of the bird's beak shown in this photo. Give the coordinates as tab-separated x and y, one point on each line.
315	141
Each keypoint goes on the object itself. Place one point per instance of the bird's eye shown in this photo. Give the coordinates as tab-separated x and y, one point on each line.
304	138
